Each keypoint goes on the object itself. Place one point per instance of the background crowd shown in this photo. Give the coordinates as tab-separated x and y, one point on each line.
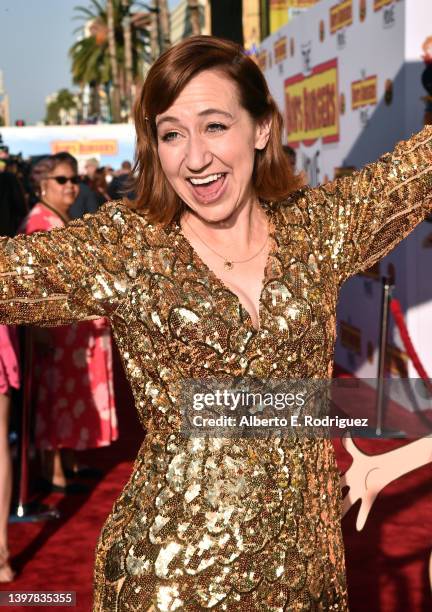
71	370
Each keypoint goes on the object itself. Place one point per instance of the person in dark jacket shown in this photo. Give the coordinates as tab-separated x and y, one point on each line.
120	185
13	205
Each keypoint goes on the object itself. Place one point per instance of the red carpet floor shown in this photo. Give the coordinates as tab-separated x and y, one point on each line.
59	555
386	562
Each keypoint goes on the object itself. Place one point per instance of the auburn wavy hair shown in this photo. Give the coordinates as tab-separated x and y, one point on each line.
273	178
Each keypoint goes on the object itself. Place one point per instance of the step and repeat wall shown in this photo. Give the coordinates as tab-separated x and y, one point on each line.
347	78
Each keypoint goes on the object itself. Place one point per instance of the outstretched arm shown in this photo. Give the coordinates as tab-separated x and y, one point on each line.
354	221
369	474
67	274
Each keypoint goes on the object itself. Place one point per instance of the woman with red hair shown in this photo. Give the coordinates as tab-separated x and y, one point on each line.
221	268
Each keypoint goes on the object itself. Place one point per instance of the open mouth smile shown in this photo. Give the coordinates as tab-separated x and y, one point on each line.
208	188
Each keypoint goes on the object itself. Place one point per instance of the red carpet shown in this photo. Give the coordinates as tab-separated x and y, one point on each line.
59	555
386	562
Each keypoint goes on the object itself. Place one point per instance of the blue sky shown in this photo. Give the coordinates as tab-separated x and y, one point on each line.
35	36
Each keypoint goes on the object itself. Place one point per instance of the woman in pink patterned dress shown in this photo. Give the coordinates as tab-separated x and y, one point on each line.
13	209
73	380
9	377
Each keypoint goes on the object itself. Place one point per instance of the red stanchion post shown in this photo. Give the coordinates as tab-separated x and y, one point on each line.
396	311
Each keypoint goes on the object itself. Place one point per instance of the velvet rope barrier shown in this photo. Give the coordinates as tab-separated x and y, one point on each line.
398	317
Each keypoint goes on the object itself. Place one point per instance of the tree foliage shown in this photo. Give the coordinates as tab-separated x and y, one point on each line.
63	101
90	54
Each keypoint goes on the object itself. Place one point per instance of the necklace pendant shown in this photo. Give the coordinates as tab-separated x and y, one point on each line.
228	265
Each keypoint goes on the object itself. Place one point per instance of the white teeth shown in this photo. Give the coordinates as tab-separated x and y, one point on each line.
207	179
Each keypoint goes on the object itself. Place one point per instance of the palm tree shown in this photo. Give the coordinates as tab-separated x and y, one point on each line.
127	37
154	37
193	9
112	50
91	57
164	24
63	102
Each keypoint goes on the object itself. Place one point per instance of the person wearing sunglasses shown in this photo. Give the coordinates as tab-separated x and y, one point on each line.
87	201
63	180
73	382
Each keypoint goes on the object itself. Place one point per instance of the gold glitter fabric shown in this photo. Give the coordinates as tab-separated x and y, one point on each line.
219	523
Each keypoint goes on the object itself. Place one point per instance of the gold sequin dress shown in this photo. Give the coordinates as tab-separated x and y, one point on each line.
219	523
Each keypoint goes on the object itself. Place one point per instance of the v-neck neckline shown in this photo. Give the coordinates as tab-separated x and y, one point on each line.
218	282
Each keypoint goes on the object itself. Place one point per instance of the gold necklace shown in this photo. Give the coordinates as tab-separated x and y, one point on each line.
228	263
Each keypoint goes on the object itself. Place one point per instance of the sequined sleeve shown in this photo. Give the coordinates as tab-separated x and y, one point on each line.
358	219
66	274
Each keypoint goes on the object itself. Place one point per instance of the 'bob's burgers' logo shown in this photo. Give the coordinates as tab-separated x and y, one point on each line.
312	105
396	361
341	16
379	4
350	337
321	30
85	147
280	49
364	92
262	59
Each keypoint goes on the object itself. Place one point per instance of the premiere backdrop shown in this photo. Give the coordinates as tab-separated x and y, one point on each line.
347	78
